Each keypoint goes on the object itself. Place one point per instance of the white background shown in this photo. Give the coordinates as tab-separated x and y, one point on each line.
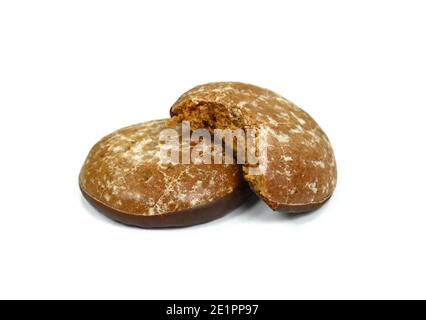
73	71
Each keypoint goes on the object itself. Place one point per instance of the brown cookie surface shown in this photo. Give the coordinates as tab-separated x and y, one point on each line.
124	177
300	172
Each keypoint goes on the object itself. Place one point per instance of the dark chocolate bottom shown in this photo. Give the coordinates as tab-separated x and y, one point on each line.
301	208
289	208
184	218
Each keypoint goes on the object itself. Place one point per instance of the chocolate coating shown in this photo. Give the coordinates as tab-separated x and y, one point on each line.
184	218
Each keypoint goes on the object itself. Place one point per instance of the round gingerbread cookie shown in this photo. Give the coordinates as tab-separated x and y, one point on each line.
300	171
125	178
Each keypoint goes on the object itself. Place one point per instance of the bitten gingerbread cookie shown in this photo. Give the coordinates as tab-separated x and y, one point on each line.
300	172
126	180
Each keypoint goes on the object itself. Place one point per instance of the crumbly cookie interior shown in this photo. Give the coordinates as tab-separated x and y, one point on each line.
207	115
212	116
